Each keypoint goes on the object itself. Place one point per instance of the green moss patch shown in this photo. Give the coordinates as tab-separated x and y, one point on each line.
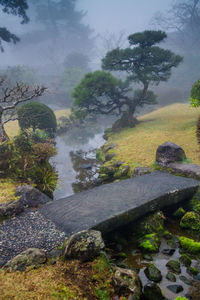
189	245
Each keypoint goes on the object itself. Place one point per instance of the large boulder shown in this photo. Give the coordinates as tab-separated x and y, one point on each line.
30	257
126	282
84	245
30	196
153	273
169	153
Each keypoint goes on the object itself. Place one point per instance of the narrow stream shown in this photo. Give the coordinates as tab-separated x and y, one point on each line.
66	144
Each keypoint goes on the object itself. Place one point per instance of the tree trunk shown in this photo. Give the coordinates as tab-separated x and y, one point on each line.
3	135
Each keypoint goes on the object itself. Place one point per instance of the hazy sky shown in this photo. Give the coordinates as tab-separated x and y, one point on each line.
116	15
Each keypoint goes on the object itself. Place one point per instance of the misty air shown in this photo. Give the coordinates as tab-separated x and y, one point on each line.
100	149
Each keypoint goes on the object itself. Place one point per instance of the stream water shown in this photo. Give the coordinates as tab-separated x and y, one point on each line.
67	161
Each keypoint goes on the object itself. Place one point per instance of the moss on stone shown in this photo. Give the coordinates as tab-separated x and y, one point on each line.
191	220
179	213
189	245
150	243
185	260
153	223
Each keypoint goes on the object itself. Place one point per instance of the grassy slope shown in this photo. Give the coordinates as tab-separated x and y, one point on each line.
176	123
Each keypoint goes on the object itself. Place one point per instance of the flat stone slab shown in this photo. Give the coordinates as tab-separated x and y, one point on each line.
112	205
189	170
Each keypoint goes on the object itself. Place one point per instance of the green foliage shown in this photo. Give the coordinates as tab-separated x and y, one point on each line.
181	298
16	8
150	243
29	162
102	294
195	94
36	115
189	245
191	220
100	93
144	63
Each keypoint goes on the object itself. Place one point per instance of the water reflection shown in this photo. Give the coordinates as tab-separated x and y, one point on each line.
75	141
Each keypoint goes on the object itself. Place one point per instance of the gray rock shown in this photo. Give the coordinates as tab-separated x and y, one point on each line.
30	196
126	282
188	170
171	277
141	171
168	251
153	273
30	257
185	280
84	245
169	153
176	288
153	291
10	209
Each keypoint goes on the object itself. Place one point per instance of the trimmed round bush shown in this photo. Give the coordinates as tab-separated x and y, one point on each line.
195	94
36	115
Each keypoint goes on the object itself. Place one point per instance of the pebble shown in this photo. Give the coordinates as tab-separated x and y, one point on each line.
28	230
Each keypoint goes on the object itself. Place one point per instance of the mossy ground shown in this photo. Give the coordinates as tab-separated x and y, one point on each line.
63	280
176	123
7	190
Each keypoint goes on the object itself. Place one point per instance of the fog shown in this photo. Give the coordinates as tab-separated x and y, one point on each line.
91	28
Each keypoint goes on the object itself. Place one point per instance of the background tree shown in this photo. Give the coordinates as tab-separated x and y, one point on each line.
61	29
144	63
17	8
36	115
183	20
10	98
101	93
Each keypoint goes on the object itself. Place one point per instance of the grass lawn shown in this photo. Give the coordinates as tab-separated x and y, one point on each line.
175	123
63	280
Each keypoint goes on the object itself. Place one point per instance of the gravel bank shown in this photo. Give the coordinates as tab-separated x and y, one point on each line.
30	229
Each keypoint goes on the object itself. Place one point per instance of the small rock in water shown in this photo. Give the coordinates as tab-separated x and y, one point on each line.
171	277
168	251
197	277
176	288
185	260
153	291
185	280
174	266
148	257
153	273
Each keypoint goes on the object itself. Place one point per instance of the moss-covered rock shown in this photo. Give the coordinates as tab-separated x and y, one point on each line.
126	282
153	223
174	266
171	277
30	257
84	245
122	172
189	245
179	213
195	202
193	270
150	243
153	273
185	260
191	220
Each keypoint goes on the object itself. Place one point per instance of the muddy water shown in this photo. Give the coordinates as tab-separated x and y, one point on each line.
73	141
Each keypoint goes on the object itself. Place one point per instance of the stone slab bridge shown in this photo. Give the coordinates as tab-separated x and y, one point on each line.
112	205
